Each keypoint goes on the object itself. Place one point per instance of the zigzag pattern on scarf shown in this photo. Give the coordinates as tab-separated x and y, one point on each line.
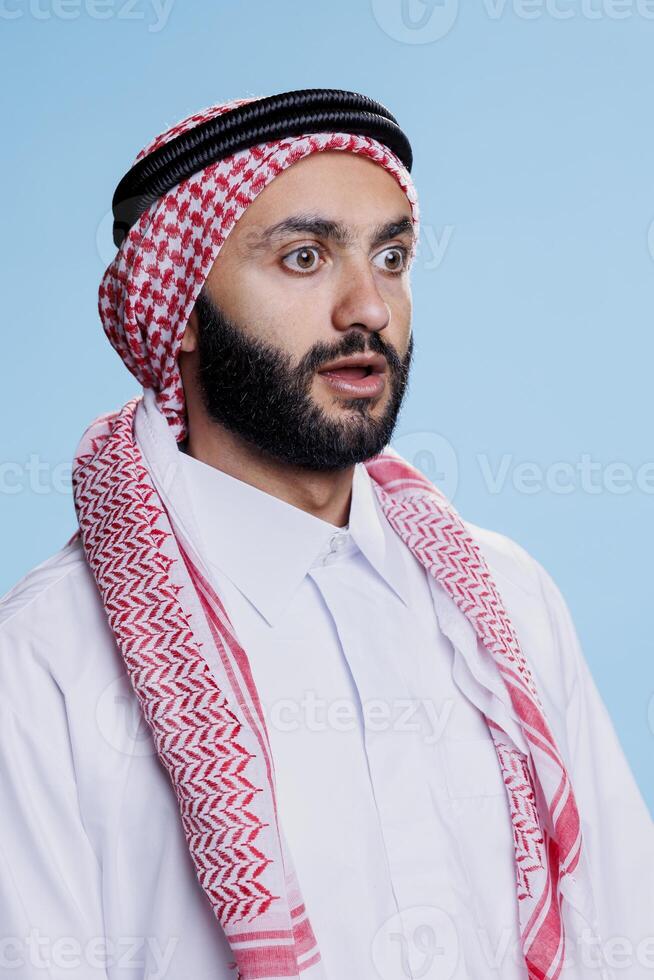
528	837
195	732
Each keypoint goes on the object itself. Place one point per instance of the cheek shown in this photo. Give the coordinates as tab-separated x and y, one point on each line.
290	327
400	304
287	316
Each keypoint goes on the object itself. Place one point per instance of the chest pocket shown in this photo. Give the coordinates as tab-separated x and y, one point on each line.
471	768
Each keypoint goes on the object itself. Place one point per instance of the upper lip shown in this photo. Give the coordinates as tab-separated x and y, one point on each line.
376	363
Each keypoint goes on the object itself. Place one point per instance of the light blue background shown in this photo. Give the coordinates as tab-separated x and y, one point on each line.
534	164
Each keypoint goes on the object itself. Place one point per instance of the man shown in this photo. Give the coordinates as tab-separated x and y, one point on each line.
275	710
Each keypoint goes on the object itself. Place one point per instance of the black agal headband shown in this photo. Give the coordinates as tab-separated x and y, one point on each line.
316	110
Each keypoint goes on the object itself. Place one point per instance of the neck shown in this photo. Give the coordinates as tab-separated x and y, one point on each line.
325	495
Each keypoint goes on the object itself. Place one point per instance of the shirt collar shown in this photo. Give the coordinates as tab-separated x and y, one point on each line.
266	546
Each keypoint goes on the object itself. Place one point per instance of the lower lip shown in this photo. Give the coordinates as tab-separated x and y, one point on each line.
368	387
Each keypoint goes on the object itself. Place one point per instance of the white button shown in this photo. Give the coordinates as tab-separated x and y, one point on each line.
337	542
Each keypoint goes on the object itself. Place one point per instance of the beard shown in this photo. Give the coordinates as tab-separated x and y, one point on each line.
253	389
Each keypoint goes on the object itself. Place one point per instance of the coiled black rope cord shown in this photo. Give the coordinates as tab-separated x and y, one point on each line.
274	117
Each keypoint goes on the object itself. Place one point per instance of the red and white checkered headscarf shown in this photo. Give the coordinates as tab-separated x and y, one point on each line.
189	672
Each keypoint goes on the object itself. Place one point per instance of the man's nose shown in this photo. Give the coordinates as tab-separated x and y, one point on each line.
359	301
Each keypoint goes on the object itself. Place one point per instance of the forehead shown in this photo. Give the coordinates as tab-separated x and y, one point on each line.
343	186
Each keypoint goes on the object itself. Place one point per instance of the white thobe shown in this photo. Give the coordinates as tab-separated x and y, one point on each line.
389	789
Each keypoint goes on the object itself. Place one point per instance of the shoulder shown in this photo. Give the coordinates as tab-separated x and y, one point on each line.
537	609
47	593
507	559
516	572
53	573
52	623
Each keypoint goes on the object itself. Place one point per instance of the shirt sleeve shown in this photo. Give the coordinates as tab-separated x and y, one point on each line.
617	830
50	885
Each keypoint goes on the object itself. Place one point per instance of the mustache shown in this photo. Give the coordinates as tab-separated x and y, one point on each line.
354	343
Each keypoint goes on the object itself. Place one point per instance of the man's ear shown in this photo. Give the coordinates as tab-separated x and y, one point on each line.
190	338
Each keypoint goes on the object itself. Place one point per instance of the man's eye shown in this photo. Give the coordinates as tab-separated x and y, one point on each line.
304	259
393	259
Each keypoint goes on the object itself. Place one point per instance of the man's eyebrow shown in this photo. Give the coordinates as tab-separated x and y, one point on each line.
392	229
335	231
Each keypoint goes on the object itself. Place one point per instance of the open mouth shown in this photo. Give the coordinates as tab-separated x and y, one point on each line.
363	379
350	373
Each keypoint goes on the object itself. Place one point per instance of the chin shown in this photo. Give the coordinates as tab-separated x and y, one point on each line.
336	403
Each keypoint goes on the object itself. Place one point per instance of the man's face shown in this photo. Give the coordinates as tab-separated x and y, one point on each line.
315	271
